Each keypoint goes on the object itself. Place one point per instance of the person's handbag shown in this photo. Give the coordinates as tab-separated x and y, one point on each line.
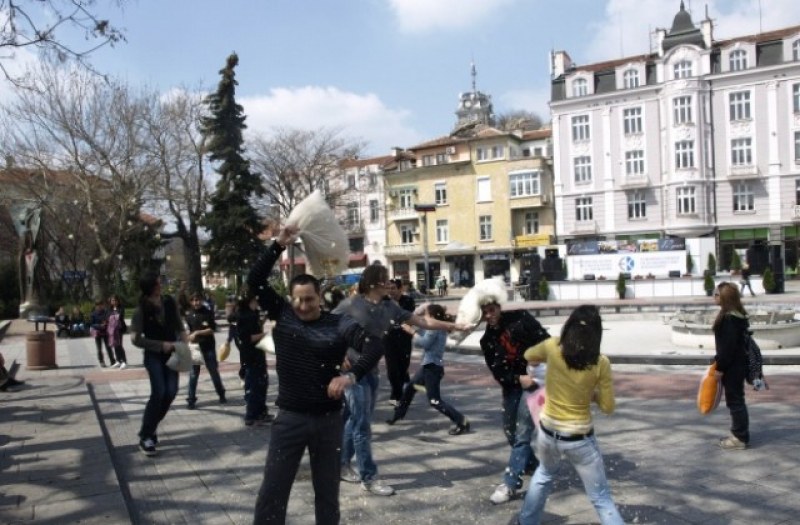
181	358
266	344
224	351
197	354
710	391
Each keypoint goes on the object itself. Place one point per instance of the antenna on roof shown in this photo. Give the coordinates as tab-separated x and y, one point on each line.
474	74
760	30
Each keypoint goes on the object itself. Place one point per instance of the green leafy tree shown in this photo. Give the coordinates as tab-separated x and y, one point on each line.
736	262
711	265
544	289
768	280
621	286
708	284
233	222
689	263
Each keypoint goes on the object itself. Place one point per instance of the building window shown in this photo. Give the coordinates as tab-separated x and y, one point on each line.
632	120
796	97
637	207
374	213
583	169
686	200
351	181
796	50
485	227
682	110
442	231
797	192
634	162
524	184
584	209
481	154
427	160
373	179
406	234
683	69
684	154
740	105
405	165
742	152
498	152
352	215
580	88
484	189
580	128
531	222
441	158
406	199
630	79
797	147
743	198
440	193
737	61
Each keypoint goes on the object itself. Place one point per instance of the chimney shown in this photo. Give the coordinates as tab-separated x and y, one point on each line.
561	62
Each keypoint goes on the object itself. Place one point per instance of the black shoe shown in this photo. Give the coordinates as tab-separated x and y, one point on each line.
148	447
265	419
191	405
457	430
393	420
222	399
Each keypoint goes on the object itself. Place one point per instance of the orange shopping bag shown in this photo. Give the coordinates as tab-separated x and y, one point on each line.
710	391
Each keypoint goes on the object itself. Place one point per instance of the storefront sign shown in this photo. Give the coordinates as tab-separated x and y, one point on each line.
533	240
610	266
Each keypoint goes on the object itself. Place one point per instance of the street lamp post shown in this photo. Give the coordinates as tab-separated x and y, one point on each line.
424	209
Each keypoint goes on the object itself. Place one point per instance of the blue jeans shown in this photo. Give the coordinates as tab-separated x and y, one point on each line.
163	389
292	433
210	359
360	400
585	456
518	428
430	376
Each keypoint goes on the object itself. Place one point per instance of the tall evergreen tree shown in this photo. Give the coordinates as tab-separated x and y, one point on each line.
232	222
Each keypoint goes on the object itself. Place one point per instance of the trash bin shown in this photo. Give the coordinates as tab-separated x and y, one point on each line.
40	347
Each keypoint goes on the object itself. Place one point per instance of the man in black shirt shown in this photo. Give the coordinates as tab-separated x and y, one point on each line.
202	326
398	344
310	346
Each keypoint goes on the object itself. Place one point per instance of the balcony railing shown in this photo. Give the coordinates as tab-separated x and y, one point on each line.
403	214
635	181
738	172
353	226
585	227
402	249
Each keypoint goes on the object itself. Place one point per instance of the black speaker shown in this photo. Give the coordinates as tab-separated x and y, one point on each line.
674	273
588	277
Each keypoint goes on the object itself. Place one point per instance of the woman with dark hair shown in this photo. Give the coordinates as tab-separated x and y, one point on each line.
155	327
249	331
98	324
115	328
576	374
201	324
430	374
729	330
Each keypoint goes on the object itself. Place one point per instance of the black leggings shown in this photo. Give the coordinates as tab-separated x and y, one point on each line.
99	341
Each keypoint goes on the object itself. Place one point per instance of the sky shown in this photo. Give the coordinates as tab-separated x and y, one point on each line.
389	72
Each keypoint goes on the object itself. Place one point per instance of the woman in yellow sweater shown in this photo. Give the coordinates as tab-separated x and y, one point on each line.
576	374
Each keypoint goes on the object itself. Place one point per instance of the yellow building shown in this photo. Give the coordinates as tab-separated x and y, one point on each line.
475	204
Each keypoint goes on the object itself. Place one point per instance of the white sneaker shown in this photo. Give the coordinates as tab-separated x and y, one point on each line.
123	366
376	487
116	365
349	474
502	494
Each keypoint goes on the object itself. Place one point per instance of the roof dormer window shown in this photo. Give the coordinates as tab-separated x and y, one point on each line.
737	60
796	50
631	79
580	87
683	69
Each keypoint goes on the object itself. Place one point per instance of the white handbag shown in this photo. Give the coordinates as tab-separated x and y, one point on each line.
197	354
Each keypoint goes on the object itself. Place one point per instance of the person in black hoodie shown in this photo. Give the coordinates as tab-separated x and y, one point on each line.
310	347
249	331
729	331
398	344
507	336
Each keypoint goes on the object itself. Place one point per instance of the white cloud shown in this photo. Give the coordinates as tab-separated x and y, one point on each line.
418	16
361	117
624	30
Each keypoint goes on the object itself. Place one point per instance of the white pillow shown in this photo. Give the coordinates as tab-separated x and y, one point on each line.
324	241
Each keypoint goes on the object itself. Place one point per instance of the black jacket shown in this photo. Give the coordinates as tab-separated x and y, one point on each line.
729	339
503	346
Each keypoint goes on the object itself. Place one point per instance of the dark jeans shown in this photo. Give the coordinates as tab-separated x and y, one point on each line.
518	428
119	351
255	386
163	389
210	359
292	432
99	341
733	384
746	282
429	375
398	359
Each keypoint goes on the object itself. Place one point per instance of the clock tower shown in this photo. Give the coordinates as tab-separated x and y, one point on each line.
474	107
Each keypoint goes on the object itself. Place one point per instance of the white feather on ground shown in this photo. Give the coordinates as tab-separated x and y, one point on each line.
491	290
324	241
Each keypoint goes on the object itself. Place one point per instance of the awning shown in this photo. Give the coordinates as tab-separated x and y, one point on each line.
357	260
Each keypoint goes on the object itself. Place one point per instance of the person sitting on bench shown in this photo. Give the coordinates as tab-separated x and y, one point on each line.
62	322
